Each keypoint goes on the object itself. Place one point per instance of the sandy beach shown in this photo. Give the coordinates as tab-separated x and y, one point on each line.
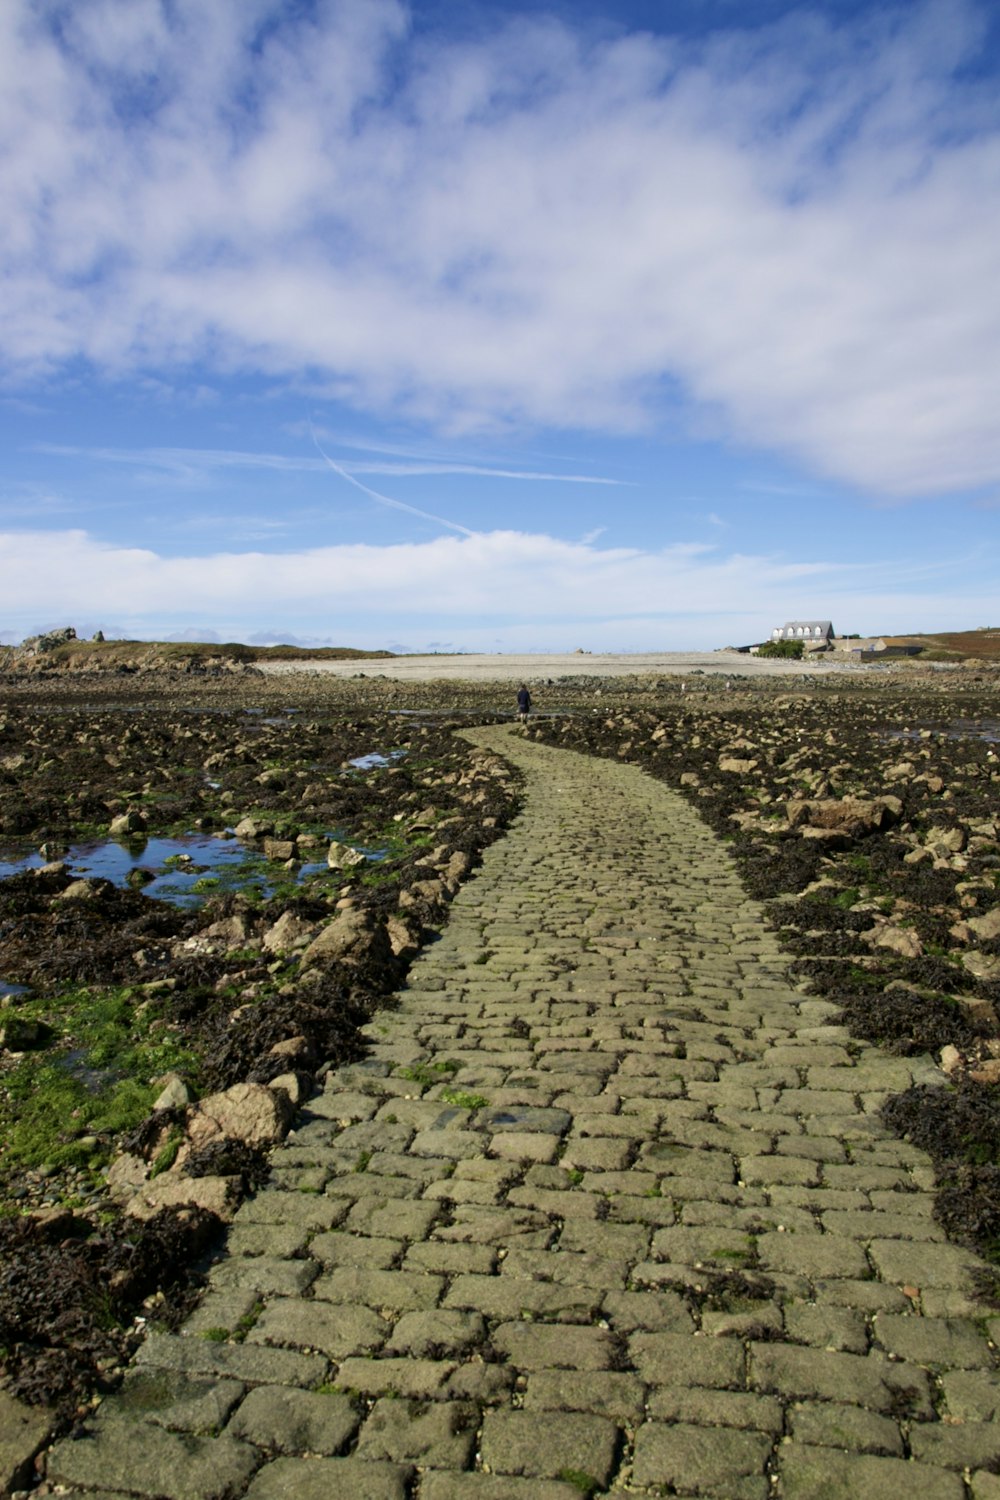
541	666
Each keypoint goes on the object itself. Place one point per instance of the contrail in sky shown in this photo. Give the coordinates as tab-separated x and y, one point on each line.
387	499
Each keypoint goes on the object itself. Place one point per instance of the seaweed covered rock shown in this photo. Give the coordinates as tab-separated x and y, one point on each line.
67	1305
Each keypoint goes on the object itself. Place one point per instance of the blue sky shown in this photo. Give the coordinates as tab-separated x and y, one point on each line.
494	326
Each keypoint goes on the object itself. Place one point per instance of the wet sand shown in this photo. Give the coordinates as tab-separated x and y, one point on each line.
535	666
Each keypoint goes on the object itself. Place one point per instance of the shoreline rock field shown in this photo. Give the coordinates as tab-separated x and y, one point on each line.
862	809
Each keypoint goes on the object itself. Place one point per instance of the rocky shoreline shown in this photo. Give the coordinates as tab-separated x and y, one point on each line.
228	1012
864	810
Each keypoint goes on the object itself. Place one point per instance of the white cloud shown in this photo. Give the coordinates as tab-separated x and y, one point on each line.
797	230
530	591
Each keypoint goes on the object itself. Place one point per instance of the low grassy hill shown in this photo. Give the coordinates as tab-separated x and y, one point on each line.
192	656
958	645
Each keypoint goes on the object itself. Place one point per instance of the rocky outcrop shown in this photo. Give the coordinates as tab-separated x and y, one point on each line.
247	1112
351	936
217	1195
288	933
40	645
341	856
848	818
127	823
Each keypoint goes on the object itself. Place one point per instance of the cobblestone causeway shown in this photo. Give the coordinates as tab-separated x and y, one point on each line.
607	1208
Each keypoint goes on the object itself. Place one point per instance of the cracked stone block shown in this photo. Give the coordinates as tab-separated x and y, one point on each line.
330	1479
702	1460
520	1442
436	1435
281	1420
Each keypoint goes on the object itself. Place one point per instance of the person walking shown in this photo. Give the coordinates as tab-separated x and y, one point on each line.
523	704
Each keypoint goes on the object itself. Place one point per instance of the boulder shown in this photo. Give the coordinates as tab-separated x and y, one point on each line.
35	645
351	935
458	866
830	838
423	893
293	1085
981	1012
737	766
342	856
56	1222
425	820
127	823
125	1174
945	841
174	1092
986	927
289	932
279	849
219	1195
402	938
247	1112
853	816
253	828
77	890
228	932
297	1049
901	940
982	965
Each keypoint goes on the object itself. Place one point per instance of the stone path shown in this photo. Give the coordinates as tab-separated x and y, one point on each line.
608	1208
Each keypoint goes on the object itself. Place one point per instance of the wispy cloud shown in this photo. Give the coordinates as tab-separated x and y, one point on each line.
195	463
794	229
426	466
388	500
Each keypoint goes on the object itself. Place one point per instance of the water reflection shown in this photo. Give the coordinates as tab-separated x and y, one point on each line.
173	866
376	758
987	730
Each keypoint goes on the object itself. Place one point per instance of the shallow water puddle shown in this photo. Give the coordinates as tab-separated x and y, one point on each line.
185	869
374	759
987	730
